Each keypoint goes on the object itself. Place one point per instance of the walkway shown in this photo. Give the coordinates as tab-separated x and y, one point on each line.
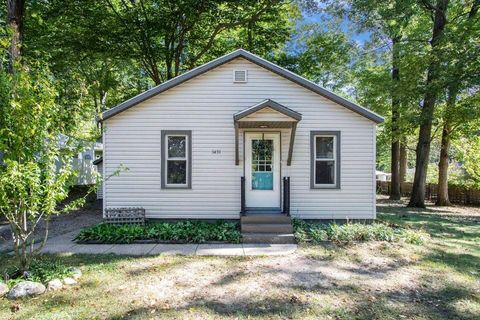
63	244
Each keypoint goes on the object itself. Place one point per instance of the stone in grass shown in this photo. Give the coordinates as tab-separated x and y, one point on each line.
3	289
55	284
69	281
26	288
76	273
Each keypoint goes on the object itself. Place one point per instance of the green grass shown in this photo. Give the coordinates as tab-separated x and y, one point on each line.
363	280
455	238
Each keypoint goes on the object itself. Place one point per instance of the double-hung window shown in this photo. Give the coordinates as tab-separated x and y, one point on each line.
176	159
325	159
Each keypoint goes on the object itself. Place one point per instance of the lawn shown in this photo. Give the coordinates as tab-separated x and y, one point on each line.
371	280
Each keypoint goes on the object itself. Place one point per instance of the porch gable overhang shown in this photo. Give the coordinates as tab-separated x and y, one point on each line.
289	120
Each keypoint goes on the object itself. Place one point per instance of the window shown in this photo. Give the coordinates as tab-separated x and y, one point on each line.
325	159
176	159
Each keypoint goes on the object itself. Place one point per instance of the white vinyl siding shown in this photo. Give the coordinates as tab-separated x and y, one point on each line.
100	187
206	105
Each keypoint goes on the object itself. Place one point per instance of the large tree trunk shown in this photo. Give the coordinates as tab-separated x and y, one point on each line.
395	166
403	162
15	15
395	151
417	198
442	192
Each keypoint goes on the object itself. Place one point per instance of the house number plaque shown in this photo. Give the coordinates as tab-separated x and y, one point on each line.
216	151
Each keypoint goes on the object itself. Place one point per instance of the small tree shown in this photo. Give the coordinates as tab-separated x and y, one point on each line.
36	169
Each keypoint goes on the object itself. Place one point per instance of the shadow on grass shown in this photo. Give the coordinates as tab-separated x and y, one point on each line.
437	226
407	304
456	234
463	263
287	307
89	261
414	304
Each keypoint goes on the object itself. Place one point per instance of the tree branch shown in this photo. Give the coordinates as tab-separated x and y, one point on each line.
223	26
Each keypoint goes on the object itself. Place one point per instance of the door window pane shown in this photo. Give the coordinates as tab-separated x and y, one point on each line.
324	147
176	146
262	180
324	172
262	164
176	171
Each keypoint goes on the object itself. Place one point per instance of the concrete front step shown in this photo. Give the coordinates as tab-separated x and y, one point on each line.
268	238
266	218
267	228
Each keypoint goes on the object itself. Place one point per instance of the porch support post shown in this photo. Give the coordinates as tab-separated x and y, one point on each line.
237	156
292	140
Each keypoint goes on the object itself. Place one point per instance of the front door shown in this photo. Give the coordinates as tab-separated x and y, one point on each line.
262	170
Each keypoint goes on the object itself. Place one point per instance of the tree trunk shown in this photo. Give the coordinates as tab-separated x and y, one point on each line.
15	15
395	151
250	36
442	192
403	162
417	198
442	198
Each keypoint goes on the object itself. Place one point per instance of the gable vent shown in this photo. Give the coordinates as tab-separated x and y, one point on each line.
239	75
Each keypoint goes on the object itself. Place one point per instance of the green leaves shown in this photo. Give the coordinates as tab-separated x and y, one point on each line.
37	142
42	269
349	232
188	231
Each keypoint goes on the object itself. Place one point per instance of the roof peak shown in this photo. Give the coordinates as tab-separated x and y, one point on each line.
254	59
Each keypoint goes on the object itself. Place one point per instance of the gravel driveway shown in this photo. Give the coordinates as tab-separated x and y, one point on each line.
59	225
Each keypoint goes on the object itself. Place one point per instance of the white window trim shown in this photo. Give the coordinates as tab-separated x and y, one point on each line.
165	158
336	159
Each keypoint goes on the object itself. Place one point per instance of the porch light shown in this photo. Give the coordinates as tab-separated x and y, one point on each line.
263	126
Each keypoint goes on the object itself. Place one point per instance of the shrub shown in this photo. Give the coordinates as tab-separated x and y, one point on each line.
186	231
349	232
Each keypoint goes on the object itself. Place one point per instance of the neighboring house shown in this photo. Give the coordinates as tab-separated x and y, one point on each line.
383	176
83	161
221	139
84	164
99	163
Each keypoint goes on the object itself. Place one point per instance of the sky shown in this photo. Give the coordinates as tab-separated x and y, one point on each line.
308	17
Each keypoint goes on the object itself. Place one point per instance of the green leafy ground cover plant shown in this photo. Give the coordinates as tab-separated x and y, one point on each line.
185	231
41	270
349	232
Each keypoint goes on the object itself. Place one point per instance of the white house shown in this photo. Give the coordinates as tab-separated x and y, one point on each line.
240	135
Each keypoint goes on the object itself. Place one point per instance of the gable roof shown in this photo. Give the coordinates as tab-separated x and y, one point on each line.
240	53
268	103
